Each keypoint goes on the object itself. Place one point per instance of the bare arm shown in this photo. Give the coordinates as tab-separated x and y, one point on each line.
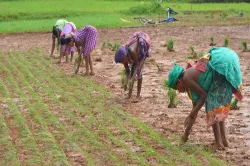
79	50
191	84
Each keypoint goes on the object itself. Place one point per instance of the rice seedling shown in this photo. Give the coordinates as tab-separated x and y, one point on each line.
112	47
224	15
226	42
244	46
159	67
170	45
201	54
171	96
56	111
193	53
234	104
212	41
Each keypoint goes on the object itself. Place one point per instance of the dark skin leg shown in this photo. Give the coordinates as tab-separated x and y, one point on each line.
132	79
91	64
133	53
67	58
71	58
53	45
217	136
139	83
188	128
87	65
223	133
131	84
60	57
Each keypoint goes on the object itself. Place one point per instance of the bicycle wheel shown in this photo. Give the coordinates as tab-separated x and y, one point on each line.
77	64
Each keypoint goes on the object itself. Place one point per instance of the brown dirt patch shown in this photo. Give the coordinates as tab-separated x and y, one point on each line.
153	106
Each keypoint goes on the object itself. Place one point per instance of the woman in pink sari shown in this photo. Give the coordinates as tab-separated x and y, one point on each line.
67	32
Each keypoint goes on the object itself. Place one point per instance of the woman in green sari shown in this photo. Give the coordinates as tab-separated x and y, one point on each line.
211	81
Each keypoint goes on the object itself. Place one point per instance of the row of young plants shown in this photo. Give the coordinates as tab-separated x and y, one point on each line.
91	132
140	134
31	108
170	45
63	116
70	122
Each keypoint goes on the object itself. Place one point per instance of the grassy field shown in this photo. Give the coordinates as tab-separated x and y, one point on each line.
37	16
50	118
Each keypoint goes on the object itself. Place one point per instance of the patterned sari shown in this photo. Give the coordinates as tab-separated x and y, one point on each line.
220	78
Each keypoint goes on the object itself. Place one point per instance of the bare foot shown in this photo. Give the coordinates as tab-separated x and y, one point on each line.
218	147
136	100
128	97
225	142
86	74
92	73
184	138
172	106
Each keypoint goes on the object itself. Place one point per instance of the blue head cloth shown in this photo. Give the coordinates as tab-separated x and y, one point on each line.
120	54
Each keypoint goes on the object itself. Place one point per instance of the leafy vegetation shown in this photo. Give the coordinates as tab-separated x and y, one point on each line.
226	42
112	47
50	118
193	54
171	95
244	46
234	104
35	16
170	45
212	43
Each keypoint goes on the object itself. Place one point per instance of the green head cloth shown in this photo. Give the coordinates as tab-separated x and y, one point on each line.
174	75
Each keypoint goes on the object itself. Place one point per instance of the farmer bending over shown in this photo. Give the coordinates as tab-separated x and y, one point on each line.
56	31
85	41
133	56
67	32
211	81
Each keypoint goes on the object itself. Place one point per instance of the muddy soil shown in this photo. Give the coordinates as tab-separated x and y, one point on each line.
152	108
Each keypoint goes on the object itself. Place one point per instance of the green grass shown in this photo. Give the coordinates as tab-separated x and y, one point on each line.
37	16
50	118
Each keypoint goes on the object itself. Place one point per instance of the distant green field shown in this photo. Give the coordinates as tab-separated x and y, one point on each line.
37	16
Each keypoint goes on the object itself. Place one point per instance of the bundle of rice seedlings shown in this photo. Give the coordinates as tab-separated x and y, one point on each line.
170	45
244	46
171	96
212	41
233	105
226	42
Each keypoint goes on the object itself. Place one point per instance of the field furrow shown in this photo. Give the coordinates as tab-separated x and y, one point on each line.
51	118
105	117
